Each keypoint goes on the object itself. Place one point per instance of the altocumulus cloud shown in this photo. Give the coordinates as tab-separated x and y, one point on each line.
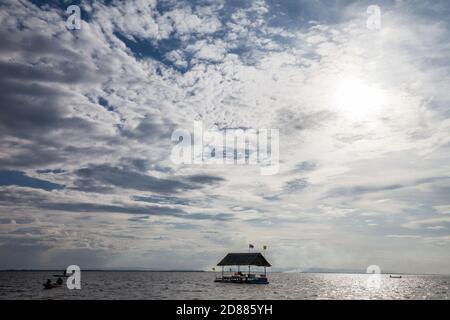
87	117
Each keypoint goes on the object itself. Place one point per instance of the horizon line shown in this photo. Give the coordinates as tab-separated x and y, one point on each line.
194	270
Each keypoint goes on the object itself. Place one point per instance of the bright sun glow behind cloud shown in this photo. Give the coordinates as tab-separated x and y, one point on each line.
357	100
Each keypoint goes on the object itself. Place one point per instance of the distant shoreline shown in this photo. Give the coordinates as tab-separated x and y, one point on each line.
134	270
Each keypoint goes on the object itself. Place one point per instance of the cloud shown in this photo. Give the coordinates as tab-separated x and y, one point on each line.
34	109
205	179
95	207
436	228
163	199
403	236
102	176
416	224
442	209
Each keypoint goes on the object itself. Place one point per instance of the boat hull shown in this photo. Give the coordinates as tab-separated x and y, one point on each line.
243	280
48	286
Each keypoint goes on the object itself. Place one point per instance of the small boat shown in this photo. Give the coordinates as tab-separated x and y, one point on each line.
51	285
244	259
395	277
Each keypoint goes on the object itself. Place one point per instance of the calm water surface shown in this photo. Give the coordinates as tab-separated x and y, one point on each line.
200	285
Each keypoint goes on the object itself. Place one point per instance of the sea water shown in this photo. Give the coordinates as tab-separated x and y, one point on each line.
201	285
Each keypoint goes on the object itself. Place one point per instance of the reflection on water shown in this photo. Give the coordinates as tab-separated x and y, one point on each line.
200	285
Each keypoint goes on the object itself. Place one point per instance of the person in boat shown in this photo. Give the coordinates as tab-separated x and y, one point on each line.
49	282
59	281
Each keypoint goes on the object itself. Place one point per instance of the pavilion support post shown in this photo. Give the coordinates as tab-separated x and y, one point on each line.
222	272
265	271
248	270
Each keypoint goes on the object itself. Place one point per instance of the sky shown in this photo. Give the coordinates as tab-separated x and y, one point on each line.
87	116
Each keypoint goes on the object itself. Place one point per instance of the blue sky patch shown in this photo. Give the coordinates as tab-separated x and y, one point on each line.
18	178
